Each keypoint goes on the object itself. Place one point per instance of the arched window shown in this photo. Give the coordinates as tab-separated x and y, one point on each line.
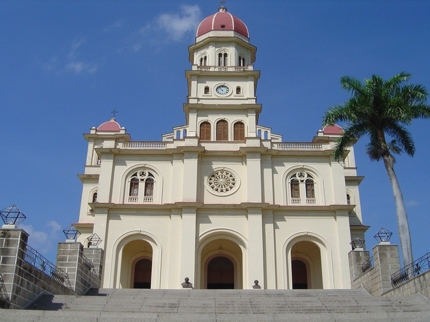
295	189
134	189
206	90
94	199
141	188
204	61
149	190
302	184
222	130
222	59
238	90
205	131
348	199
239	131
310	189
241	61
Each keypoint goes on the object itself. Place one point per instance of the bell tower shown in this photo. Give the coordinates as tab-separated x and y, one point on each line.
221	103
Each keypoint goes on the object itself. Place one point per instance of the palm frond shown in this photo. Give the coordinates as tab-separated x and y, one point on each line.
402	137
348	138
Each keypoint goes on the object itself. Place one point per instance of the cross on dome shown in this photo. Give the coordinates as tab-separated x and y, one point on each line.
114	112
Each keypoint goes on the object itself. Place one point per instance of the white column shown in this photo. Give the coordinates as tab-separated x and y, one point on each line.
190	176
253	165
188	246
252	123
340	259
174	279
192	123
268	179
339	188
90	152
269	250
176	180
105	179
255	249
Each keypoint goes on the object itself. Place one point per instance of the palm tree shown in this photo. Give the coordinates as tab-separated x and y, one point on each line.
380	109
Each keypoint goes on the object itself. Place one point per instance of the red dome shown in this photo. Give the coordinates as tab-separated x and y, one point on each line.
333	130
222	21
110	126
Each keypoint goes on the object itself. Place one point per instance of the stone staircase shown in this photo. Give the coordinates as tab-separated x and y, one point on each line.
109	305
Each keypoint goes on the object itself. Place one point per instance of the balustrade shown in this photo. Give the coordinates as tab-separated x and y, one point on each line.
142	145
297	146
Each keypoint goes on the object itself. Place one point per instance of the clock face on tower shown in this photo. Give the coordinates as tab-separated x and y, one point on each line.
222	90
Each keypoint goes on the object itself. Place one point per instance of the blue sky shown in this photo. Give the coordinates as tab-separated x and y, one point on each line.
64	65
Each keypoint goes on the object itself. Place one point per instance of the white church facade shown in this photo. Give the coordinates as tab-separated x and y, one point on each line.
221	200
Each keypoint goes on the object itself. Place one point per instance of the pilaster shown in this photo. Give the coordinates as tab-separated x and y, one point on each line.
269	250
188	247
189	189
255	248
253	167
105	179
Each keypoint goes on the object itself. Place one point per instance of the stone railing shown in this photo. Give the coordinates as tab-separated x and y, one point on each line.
298	146
146	199
417	267
225	68
298	201
25	273
33	257
142	145
368	264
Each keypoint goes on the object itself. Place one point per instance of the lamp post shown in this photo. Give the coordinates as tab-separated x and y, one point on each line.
383	236
93	241
357	244
12	217
71	234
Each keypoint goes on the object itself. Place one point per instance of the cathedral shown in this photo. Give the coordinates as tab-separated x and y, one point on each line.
221	200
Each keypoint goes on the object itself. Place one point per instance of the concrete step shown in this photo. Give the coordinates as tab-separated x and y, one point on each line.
223	305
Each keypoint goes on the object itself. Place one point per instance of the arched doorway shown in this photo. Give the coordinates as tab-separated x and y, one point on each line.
220	265
300	274
142	273
306	268
220	273
136	265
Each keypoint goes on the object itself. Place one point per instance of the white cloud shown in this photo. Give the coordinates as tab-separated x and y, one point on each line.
79	67
42	241
177	25
76	65
116	25
74	48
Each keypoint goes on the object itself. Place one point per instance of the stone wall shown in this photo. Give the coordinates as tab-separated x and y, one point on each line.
22	281
376	280
84	273
419	284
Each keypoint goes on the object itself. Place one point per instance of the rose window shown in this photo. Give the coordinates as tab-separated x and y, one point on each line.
222	181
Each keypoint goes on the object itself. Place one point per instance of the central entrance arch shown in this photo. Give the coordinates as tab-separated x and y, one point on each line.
221	265
142	273
300	274
220	273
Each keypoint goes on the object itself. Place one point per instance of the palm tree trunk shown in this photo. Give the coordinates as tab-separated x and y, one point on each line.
402	216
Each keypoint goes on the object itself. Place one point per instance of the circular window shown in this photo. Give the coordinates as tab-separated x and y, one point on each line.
222	182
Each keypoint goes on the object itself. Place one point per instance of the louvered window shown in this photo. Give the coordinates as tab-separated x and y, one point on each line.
222	131
205	131
239	131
